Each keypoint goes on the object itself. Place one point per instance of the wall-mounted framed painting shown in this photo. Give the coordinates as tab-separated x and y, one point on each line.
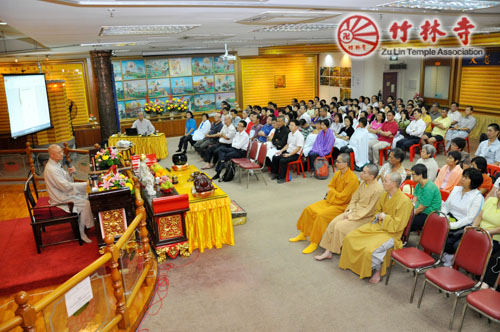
117	70
279	81
203	84
204	103
159	87
181	85
223	66
203	65
133	107
230	97
119	90
180	66
224	83
133	69
135	89
157	68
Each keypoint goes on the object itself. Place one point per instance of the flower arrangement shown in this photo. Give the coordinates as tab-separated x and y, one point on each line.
113	179
105	158
155	107
418	98
176	105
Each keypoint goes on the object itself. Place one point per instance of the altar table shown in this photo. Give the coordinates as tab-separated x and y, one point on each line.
155	143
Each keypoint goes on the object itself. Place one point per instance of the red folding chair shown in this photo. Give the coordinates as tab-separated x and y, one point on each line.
472	256
468	143
383	153
252	154
353	161
412	184
297	163
444	194
437	144
255	166
432	241
406	233
330	159
493	170
486	302
413	147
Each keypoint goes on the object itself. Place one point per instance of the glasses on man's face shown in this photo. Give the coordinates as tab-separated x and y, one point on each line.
339	161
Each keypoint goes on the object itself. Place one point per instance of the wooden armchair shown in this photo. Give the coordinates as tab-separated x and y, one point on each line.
44	214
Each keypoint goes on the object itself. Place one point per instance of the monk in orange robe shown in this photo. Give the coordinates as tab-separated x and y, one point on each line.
316	217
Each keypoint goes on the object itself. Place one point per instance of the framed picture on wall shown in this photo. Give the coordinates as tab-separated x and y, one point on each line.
157	68
119	90
133	69
224	83
223	66
121	110
230	97
323	80
204	103
180	66
159	87
133	107
279	81
324	71
135	89
203	65
117	70
203	84
181	85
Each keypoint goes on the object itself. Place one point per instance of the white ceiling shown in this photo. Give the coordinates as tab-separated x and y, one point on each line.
62	25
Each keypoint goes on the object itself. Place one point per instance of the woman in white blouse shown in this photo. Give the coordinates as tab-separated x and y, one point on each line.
203	128
426	158
461	207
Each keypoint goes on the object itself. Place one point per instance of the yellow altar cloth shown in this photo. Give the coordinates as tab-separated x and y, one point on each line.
156	144
208	221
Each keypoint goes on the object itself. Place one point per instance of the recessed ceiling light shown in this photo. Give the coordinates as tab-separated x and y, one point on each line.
304	27
3	23
119	44
460	5
144	29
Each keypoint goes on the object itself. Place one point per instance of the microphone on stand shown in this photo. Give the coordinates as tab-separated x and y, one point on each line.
68	165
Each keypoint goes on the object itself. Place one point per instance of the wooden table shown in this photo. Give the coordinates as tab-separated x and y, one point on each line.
156	144
208	221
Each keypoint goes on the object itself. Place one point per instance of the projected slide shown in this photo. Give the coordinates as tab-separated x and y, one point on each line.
27	103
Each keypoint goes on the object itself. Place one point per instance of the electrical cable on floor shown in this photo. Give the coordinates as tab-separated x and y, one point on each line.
161	289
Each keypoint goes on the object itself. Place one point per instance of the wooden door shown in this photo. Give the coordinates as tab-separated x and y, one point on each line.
390	86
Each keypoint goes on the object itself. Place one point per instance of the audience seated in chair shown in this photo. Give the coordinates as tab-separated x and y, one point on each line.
62	188
450	174
480	164
488	219
266	129
365	248
290	152
238	149
188	133
441	125
462	207
426	197
202	129
316	217
427	159
211	137
225	136
462	128
311	139
322	145
415	130
394	165
458	144
490	148
279	138
305	128
359	144
385	135
360	210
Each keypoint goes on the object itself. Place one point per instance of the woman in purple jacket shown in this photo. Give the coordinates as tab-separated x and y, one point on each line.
323	144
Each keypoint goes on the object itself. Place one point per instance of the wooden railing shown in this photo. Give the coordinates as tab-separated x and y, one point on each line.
26	313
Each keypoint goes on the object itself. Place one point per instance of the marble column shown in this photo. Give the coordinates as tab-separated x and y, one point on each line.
101	66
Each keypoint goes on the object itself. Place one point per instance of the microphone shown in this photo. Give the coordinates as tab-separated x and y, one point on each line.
67	163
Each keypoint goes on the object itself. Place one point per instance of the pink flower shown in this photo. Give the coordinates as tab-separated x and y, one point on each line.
106	184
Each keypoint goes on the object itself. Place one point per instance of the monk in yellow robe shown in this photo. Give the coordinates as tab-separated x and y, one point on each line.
369	246
316	217
360	210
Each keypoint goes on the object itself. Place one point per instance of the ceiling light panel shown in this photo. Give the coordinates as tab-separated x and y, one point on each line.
288	17
119	44
206	36
461	5
305	27
127	30
118	3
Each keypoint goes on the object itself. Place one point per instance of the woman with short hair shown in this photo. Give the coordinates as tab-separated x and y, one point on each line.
427	159
450	174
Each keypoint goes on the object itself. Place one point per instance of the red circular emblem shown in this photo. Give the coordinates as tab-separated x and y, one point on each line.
358	35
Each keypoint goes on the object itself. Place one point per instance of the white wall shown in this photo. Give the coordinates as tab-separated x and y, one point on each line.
367	76
332	60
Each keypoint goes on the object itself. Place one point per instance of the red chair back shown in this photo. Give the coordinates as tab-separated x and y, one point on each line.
444	194
434	233
474	251
253	150
261	158
406	232
410	183
493	170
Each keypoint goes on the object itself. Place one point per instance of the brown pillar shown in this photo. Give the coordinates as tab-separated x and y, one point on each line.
101	65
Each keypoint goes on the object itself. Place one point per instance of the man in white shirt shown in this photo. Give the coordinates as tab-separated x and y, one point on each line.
454	114
62	189
374	101
415	130
225	139
290	152
303	115
144	126
490	149
462	128
238	149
